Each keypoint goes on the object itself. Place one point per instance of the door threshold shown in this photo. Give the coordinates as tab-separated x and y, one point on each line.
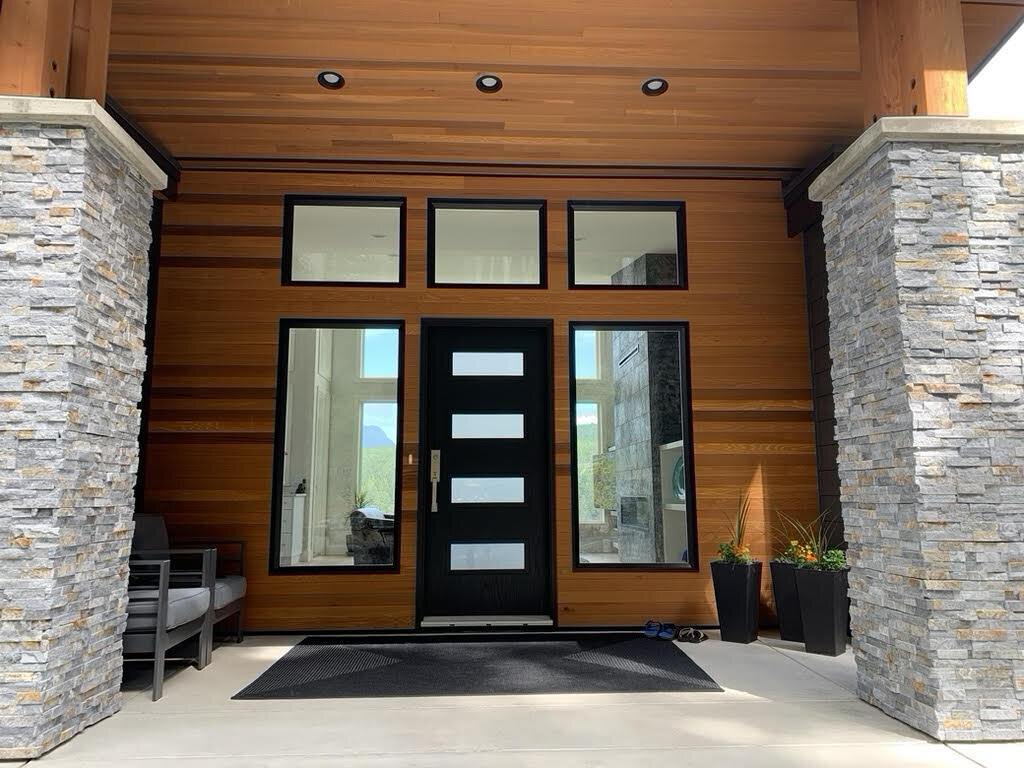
486	621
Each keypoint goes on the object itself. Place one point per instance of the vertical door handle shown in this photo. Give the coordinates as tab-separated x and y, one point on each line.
435	477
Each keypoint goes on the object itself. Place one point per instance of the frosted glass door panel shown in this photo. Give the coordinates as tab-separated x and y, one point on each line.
500	556
487	364
488	490
487	426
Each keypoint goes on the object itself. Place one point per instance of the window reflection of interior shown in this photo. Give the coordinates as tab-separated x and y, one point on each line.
628	431
341	431
495	246
346	243
625	247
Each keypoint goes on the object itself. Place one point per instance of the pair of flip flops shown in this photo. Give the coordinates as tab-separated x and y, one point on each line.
691	635
668	631
659	630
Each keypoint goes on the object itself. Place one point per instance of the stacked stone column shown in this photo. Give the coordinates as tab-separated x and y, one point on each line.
75	204
924	228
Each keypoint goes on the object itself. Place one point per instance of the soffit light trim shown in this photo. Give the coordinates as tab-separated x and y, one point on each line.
330	79
654	86
488	83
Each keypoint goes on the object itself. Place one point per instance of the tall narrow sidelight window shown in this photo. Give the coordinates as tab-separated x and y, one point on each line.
343	240
626	244
631	446
336	469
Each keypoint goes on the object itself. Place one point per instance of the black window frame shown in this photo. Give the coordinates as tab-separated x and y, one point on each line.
286	325
366	201
479	203
676	206
683	327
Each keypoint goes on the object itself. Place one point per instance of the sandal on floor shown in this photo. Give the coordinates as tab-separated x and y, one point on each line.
651	628
668	632
691	635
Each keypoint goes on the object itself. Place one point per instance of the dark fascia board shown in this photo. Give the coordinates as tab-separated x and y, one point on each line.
150	145
802	212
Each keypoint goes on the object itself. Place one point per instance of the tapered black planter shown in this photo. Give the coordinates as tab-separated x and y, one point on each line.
737	586
787	603
823	608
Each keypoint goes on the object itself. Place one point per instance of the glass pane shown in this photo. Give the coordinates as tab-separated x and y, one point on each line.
380	353
342	242
625	246
487	364
488	490
586	354
628	431
339	450
482	426
487	245
503	556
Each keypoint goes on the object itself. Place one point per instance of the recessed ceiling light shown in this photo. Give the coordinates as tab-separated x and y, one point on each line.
488	83
654	86
330	79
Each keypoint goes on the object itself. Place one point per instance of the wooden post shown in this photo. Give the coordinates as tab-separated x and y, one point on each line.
913	60
35	40
90	46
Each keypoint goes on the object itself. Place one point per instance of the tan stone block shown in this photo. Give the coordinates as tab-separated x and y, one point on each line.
36	472
981	634
61	210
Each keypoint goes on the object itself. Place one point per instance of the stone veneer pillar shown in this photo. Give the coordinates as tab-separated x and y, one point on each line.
75	203
924	228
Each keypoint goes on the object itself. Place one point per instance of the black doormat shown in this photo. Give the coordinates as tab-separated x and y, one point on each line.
325	667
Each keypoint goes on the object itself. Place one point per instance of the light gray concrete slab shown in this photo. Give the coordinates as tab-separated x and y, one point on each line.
993	755
777	710
795	756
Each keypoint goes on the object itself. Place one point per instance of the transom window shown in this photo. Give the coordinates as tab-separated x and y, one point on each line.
486	242
343	240
626	244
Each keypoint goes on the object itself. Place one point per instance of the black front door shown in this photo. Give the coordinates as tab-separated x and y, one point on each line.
486	498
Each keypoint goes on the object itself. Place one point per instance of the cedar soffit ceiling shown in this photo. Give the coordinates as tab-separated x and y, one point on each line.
765	83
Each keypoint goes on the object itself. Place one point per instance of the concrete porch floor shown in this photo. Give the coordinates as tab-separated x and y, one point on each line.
780	707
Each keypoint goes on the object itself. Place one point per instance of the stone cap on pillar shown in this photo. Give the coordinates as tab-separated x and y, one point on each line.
935	130
84	113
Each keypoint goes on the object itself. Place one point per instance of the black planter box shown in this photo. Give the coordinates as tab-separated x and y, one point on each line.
737	587
823	608
787	603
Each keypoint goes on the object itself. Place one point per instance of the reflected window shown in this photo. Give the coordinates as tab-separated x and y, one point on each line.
336	455
485	242
627	244
351	240
632	458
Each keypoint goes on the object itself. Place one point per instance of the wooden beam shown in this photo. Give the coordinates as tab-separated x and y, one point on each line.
90	46
35	42
913	60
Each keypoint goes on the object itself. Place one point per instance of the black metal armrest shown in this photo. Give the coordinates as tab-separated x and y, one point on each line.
206	575
223	557
161	571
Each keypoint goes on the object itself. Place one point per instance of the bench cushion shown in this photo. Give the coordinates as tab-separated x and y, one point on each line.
183	605
227	590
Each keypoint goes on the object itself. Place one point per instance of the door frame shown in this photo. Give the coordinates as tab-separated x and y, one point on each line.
423	471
